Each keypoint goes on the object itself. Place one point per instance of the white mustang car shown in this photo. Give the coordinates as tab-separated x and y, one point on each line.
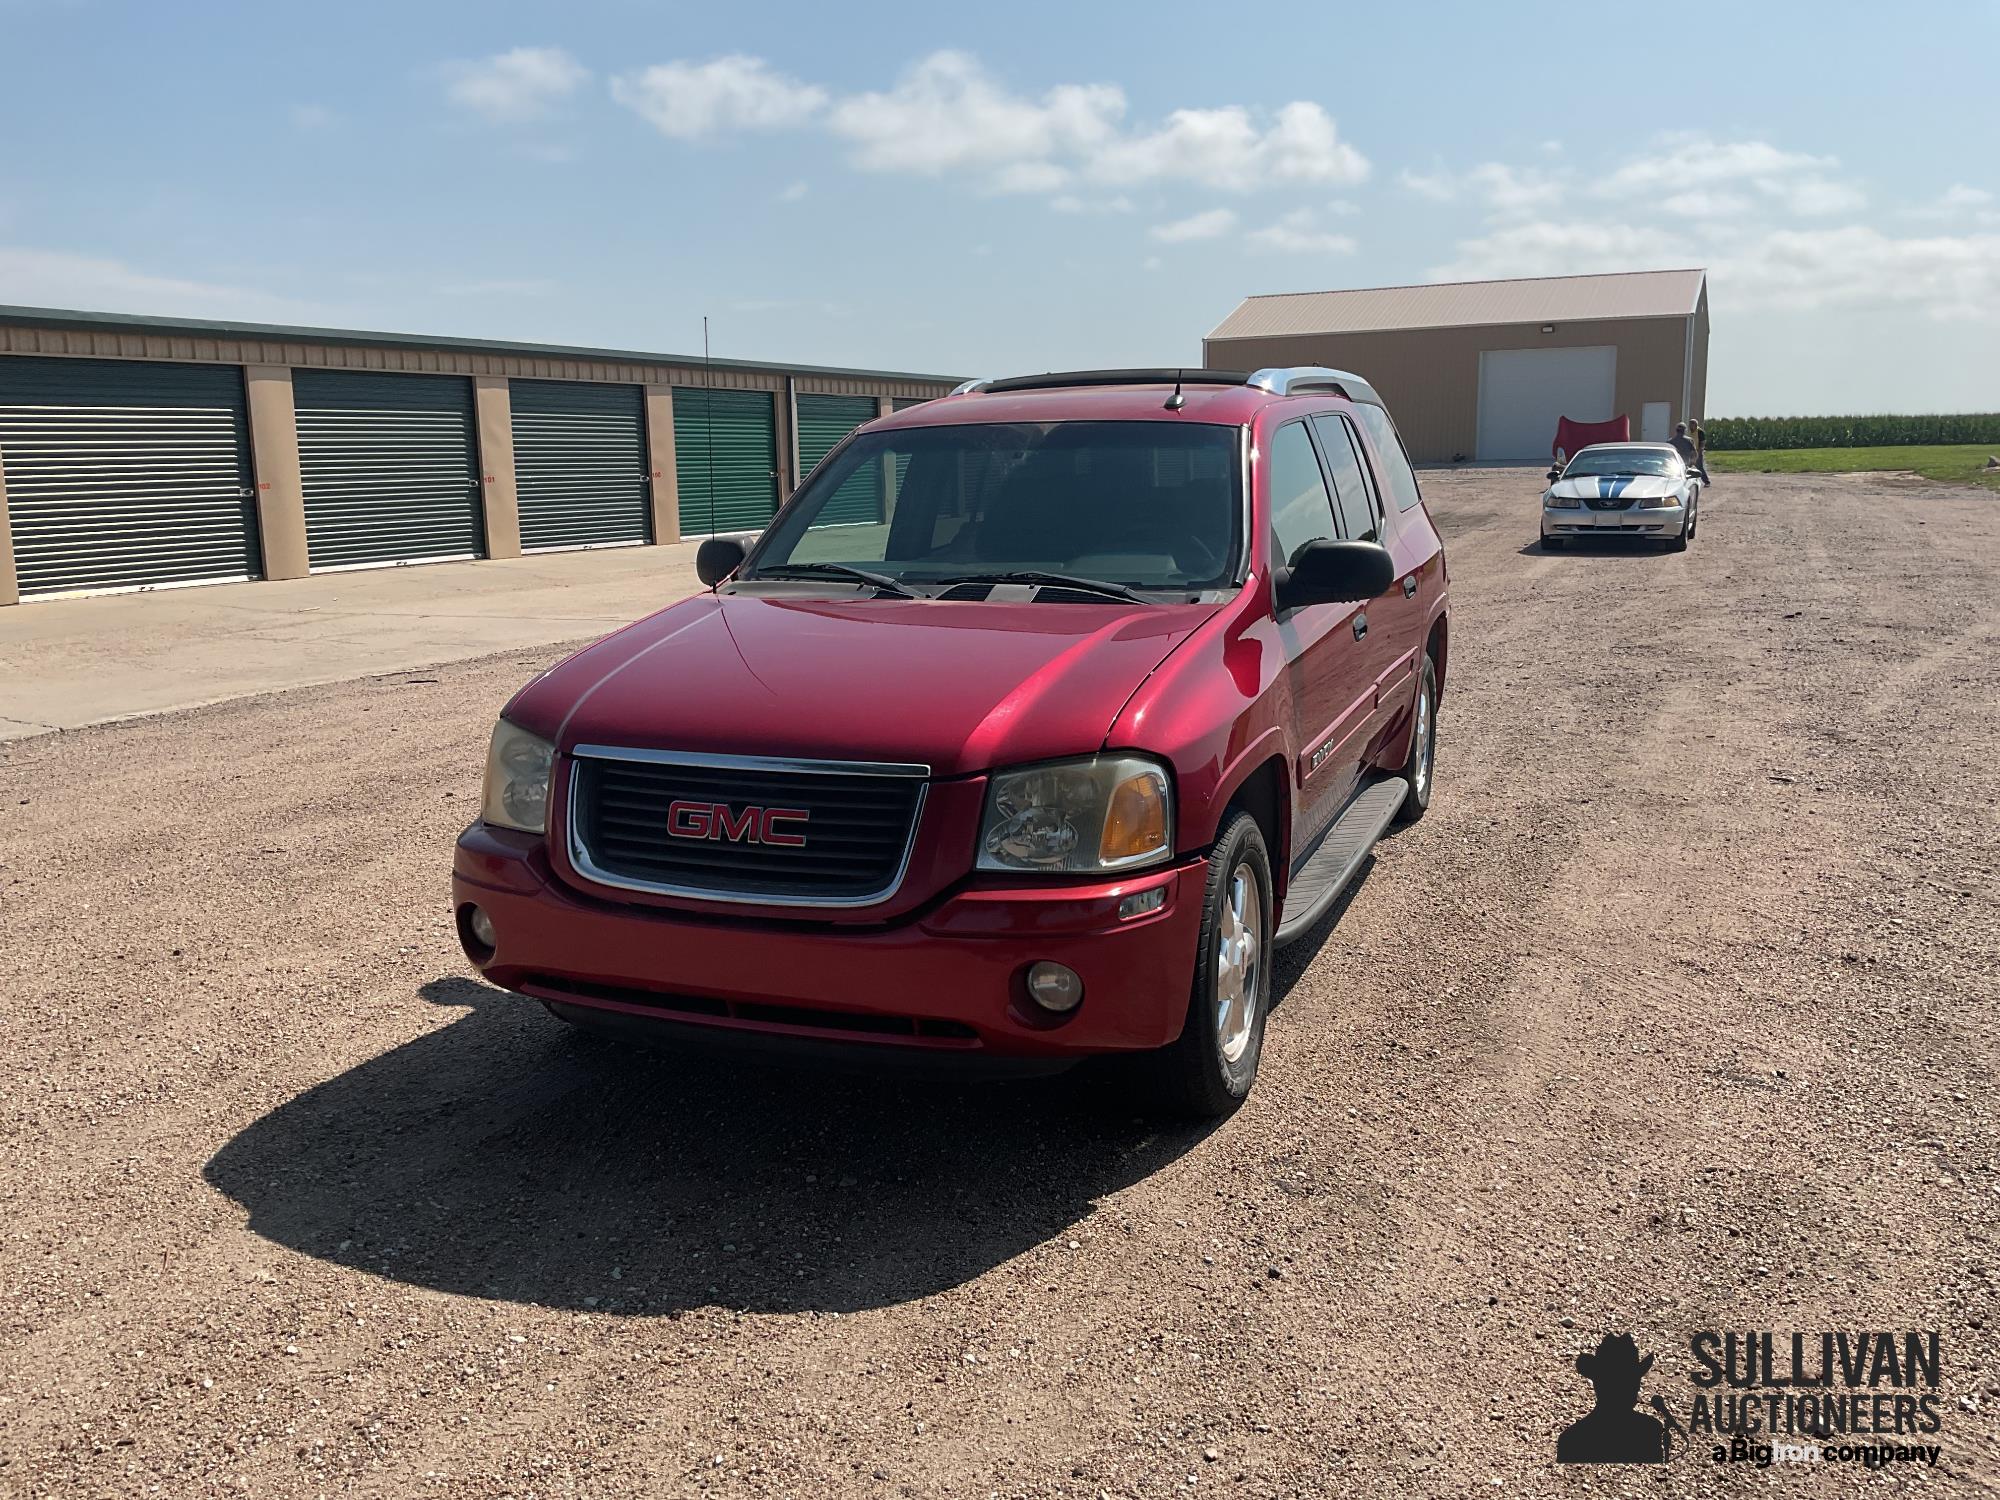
1622	489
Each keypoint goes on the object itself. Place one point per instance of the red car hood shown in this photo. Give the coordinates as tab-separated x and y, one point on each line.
960	687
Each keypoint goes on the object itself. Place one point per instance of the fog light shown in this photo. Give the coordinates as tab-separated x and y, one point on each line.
1055	986
1138	905
482	926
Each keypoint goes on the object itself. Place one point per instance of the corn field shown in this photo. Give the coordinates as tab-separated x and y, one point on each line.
1739	433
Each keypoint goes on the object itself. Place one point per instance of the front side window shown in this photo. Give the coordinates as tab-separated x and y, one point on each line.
1398	478
1151	505
1300	512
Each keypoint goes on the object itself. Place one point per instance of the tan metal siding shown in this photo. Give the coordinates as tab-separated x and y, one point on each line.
1429	377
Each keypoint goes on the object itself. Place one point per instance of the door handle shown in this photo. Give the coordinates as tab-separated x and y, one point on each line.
1360	626
1410	586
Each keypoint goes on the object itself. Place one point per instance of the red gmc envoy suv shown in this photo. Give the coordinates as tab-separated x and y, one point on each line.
1035	721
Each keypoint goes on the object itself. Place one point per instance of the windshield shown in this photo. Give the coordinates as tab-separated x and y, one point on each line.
1150	505
1649	461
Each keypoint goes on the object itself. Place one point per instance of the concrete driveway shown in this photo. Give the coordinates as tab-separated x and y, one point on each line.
70	662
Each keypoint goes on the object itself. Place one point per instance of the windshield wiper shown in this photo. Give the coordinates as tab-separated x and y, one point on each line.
837	570
1054	580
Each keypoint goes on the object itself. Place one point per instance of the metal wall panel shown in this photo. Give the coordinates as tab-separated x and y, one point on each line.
580	464
126	475
389	466
823	422
725	458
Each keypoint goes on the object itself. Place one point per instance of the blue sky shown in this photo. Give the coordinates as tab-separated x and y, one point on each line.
993	189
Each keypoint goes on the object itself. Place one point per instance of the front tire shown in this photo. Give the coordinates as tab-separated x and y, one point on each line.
1680	543
1208	1072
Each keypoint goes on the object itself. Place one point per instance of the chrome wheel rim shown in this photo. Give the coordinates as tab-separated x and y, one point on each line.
1239	965
1425	747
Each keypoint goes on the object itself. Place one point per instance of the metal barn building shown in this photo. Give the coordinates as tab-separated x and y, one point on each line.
150	452
1482	369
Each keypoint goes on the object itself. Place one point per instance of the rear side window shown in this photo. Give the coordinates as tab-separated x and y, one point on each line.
1350	491
1397	477
1299	509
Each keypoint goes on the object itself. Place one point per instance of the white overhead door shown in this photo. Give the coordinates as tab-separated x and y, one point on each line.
1524	392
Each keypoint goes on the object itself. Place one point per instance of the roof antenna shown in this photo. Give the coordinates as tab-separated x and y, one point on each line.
1176	401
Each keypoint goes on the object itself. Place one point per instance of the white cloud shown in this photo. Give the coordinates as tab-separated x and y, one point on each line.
1152	263
524	84
1707	203
688	100
1942	276
1298	233
548	155
60	278
1683	164
945	114
1070	203
1960	201
1504	191
1030	177
313	116
1207	225
1439	186
1684	159
1223	148
792	192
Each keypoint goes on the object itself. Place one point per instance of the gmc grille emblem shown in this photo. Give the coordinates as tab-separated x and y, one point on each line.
746	825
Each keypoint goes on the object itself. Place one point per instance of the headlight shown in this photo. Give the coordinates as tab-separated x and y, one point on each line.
1111	812
516	794
1660	502
1562	502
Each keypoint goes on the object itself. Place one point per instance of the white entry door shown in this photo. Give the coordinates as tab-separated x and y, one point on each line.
1523	392
1653	421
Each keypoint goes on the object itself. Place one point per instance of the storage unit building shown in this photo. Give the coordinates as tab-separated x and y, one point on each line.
389	468
125	474
1483	369
581	475
823	422
139	453
726	458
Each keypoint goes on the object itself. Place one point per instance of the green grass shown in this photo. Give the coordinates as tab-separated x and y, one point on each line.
1951	463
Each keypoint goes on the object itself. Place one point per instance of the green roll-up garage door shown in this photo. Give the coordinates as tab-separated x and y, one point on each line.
390	468
725	458
823	422
125	474
580	464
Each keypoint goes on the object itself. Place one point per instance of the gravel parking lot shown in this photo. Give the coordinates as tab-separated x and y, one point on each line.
1677	1013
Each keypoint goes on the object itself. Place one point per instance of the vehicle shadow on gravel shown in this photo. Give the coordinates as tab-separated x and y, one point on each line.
502	1156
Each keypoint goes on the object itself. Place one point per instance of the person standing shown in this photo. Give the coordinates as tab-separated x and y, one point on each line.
1685	447
1700	450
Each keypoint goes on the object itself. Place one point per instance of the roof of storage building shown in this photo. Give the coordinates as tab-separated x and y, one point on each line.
1461	304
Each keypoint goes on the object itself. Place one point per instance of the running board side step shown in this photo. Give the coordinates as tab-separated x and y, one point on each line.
1320	880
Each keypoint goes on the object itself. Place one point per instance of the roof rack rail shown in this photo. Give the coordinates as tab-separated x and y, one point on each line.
1296	380
1314	380
1056	380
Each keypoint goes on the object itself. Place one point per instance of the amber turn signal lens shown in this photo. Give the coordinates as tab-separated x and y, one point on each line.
1135	824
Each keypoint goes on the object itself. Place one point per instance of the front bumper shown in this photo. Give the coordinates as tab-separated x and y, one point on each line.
945	979
1656	520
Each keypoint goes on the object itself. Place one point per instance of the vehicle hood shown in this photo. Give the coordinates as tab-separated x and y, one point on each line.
1615	487
960	687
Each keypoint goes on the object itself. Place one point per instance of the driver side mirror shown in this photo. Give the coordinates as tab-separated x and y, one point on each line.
1335	573
1555	472
717	558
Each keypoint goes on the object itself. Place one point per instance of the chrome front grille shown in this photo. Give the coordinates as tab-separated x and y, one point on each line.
748	829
